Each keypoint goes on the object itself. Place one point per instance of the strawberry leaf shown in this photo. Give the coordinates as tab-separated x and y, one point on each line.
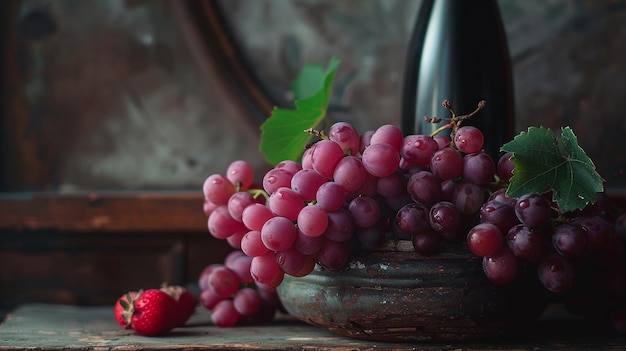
283	135
544	162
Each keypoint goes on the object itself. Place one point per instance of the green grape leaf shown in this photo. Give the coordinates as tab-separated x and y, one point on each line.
309	81
544	162
283	135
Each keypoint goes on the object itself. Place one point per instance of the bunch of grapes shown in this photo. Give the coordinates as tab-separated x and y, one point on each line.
228	290
356	191
578	256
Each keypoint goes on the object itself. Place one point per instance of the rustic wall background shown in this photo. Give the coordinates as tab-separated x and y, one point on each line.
114	96
569	60
126	95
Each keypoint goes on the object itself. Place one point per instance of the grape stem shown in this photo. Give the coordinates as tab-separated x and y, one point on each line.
497	183
317	133
454	121
258	192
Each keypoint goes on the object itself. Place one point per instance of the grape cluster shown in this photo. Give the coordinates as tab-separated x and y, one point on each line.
356	191
578	256
531	230
228	290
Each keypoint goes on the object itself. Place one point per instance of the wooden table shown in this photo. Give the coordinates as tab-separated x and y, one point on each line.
60	327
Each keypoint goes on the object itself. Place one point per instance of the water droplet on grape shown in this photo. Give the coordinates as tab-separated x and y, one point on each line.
524	204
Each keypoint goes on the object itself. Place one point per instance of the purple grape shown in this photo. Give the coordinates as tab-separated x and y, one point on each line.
277	178
266	271
469	139
350	173
330	196
500	195
366	137
447	163
505	167
291	261
222	225
447	188
325	156
224	314
529	244
238	202
500	214
333	255
556	273
388	134
286	202
478	168
444	217
597	231
241	266
620	226
418	149
247	301
413	218
340	226
306	182
218	189
290	166
278	233
223	281
468	198
346	136
569	240
240	173
371	237
533	210
308	245
252	244
365	211
380	159
502	267
426	243
392	186
484	239
313	220
425	188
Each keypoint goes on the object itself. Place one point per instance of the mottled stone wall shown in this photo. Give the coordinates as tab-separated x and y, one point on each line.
116	98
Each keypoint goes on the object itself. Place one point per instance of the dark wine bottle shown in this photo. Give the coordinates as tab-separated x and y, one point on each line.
458	52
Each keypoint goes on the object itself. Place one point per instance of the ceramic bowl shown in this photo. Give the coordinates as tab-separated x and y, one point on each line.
395	294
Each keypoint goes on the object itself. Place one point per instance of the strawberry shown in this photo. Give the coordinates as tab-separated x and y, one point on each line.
154	313
185	300
123	310
149	312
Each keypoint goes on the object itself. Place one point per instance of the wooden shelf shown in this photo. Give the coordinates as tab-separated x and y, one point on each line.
88	247
120	211
113	211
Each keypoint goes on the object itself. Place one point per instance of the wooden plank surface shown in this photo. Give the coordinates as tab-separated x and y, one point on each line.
62	327
113	211
43	327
